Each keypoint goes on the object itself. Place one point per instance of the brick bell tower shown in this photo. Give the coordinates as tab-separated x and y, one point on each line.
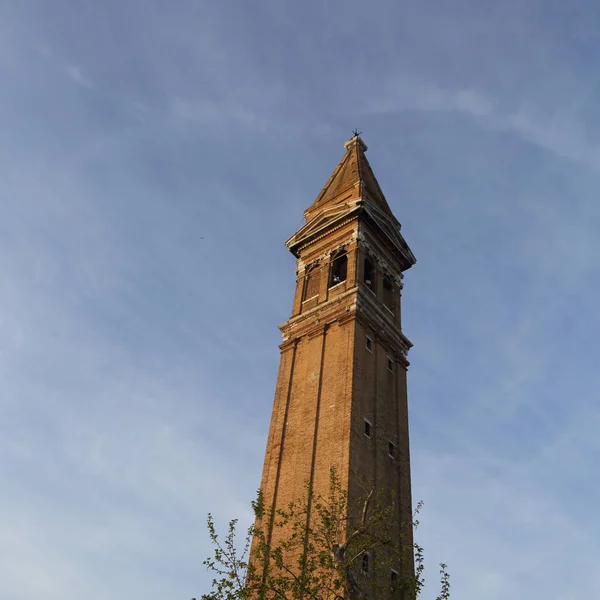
341	398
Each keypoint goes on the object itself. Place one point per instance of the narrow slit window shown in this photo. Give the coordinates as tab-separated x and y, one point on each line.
392	449
311	282
388	293
369	274
390	364
367	429
395	585
365	563
369	344
339	269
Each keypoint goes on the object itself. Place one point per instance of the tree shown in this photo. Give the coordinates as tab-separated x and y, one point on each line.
321	553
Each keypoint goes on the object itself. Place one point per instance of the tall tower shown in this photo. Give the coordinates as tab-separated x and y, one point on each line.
341	395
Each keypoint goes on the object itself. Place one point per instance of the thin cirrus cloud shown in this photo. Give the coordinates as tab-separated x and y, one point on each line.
154	161
78	77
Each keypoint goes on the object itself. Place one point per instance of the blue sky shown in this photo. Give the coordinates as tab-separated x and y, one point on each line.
154	156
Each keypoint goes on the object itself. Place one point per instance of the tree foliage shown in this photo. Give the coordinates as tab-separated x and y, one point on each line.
318	552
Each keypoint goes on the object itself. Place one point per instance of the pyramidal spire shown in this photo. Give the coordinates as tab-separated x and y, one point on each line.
352	179
351	194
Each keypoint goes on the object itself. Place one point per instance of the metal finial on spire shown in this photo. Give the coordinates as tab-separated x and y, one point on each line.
356	140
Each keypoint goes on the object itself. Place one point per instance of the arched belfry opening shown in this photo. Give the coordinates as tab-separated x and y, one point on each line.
370	274
338	271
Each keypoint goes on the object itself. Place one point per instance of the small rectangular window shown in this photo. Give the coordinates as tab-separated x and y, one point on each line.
395	585
390	364
392	449
367	428
369	344
365	564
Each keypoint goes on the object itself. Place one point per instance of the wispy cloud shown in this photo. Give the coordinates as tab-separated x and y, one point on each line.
76	74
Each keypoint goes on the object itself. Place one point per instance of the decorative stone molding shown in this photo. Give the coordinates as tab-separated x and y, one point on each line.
325	234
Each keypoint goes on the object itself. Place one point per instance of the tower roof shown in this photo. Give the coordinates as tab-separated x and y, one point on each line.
352	191
353	178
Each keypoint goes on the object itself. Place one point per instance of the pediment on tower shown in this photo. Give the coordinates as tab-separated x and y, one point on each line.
391	230
321	223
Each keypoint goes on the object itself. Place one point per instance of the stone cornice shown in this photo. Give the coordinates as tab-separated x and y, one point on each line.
391	235
352	304
337	309
298	247
325	255
375	317
387	228
375	255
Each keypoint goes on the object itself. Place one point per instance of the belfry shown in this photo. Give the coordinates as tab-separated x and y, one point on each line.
341	398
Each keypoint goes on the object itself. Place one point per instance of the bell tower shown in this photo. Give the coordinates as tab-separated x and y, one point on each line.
341	397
